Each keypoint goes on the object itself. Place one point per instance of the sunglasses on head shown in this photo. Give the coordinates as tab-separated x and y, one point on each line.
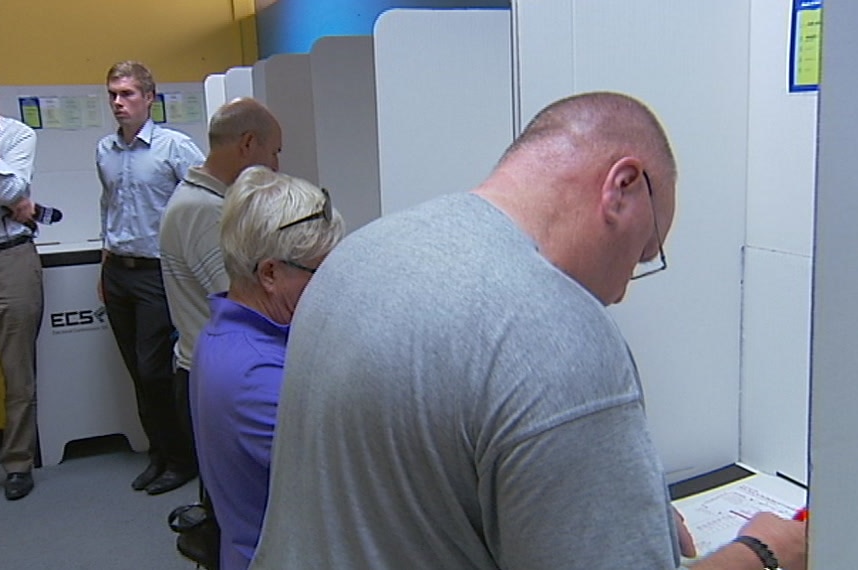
326	212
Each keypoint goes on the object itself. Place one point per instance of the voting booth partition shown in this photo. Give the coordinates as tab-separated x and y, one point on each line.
833	421
723	332
83	388
214	89
387	121
325	103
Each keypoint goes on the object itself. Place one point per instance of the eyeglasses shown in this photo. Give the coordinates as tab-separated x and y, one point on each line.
654	265
326	212
290	263
296	265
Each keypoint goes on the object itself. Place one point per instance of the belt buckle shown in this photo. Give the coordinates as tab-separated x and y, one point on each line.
128	262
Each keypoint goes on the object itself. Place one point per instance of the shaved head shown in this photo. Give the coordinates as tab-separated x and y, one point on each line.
605	125
592	179
238	117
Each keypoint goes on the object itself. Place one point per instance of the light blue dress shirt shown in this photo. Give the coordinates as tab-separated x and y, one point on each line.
137	180
17	152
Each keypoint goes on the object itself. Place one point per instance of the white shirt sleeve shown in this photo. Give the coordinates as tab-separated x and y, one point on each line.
17	154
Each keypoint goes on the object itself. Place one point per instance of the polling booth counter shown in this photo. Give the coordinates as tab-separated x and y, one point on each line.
83	388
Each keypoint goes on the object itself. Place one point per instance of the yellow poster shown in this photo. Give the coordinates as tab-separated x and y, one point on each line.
159	113
31	113
809	47
805	45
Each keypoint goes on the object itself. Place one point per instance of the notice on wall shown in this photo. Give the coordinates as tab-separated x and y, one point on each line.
31	112
805	45
67	113
194	104
71	112
175	103
92	116
183	107
158	111
51	112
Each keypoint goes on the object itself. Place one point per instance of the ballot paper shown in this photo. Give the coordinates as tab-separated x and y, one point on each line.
715	516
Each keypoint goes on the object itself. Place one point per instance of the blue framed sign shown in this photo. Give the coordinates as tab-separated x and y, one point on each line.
31	112
805	45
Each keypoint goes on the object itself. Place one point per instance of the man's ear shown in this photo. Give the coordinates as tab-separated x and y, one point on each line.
245	142
621	182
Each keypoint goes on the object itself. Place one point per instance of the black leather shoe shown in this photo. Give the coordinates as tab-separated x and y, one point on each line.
18	485
169	480
150	474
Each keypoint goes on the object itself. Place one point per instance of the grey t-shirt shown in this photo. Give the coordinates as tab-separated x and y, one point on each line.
455	401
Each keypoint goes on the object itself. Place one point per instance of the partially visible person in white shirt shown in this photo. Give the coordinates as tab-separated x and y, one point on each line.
20	304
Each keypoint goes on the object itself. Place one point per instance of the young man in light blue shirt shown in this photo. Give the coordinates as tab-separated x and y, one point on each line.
139	167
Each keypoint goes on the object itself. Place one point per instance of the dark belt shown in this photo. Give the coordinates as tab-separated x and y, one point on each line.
131	262
20	240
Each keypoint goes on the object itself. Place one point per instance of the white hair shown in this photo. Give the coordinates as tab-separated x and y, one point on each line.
258	203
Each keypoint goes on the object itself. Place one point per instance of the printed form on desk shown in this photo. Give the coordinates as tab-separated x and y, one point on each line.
715	516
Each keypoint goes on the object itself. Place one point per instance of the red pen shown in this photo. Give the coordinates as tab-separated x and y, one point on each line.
800	515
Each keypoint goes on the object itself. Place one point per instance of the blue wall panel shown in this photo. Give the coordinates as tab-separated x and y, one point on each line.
292	26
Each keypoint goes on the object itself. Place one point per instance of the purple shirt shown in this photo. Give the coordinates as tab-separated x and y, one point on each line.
235	380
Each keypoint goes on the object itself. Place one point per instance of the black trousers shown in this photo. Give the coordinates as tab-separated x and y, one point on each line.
140	319
183	410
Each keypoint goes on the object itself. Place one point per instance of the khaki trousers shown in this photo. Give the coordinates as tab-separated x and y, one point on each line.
20	318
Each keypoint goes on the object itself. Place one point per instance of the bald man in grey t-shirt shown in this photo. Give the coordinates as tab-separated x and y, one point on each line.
456	394
473	410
